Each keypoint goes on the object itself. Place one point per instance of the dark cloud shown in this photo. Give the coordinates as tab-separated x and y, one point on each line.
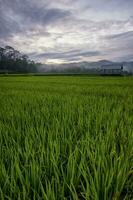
120	46
71	55
127	35
22	16
128	57
8	26
4	28
121	42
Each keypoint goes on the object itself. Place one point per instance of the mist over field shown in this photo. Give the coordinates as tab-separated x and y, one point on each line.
83	67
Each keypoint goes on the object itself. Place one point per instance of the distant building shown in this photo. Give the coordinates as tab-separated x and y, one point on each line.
112	69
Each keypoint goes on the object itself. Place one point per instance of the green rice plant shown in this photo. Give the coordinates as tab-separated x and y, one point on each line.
66	138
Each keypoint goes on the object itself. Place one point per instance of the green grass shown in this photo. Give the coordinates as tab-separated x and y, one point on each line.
66	138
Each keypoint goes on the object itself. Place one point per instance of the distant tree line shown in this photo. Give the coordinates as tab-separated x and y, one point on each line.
12	61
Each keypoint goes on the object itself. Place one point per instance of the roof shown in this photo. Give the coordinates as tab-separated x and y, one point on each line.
112	66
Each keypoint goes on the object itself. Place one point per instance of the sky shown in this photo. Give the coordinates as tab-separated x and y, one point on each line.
62	31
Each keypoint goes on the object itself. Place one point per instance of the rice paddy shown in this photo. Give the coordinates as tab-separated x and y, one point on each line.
66	138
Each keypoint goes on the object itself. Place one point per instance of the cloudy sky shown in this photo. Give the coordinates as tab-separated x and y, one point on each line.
56	31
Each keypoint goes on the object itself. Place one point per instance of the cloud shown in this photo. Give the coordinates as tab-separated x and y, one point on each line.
124	35
120	46
75	53
68	29
22	16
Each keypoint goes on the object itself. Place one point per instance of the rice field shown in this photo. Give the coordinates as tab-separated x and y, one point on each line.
66	138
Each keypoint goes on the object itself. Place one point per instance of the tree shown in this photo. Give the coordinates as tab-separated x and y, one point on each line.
1	53
12	60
